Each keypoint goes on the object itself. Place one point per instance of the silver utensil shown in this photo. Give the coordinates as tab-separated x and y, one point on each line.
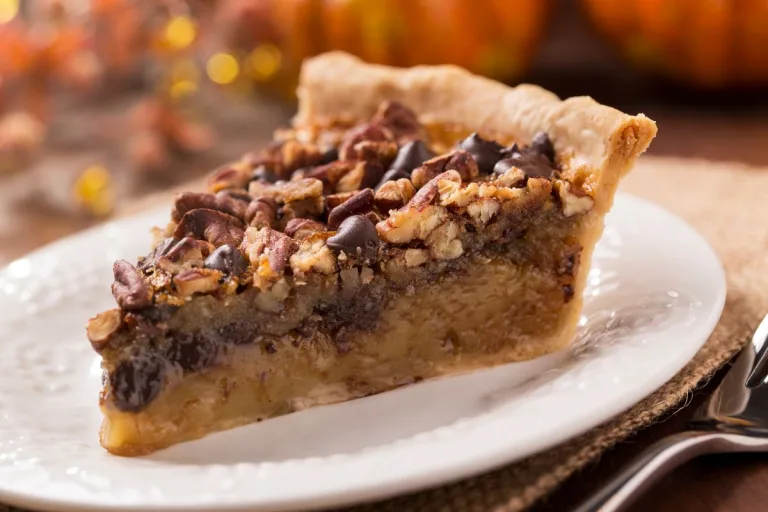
733	419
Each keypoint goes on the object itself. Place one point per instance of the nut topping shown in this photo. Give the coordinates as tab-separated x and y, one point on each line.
574	201
102	326
360	203
460	161
130	289
232	176
261	212
302	228
314	255
394	194
400	120
197	280
363	175
268	250
368	142
210	225
357	238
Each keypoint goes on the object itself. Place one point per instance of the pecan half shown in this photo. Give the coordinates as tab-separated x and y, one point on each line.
231	176
363	175
394	194
212	226
101	327
358	204
197	280
460	161
370	141
268	250
130	289
301	228
400	120
261	212
227	201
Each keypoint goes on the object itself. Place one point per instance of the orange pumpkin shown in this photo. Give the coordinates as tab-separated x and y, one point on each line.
496	38
705	43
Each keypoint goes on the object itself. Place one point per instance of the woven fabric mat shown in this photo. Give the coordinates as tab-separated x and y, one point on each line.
728	204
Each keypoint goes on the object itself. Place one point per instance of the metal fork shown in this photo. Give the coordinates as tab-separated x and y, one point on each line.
733	419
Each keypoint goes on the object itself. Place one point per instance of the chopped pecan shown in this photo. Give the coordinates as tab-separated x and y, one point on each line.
227	201
331	173
394	194
101	327
334	200
431	190
268	250
314	255
443	242
363	175
305	208
197	280
400	120
358	204
369	141
301	228
130	289
187	253
213	226
231	176
459	161
261	212
574	201
483	209
416	257
288	191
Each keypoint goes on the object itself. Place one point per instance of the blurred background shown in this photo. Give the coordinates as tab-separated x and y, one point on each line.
104	102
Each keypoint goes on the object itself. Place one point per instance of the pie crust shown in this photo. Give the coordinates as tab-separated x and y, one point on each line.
317	287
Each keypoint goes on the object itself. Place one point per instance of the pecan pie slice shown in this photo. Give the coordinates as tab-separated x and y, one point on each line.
412	223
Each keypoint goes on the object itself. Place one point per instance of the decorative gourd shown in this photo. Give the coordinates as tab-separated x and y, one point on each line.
496	38
707	44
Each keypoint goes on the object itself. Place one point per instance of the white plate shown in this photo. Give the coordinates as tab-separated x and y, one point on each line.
655	292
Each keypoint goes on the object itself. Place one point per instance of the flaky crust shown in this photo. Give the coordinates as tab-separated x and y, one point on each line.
598	144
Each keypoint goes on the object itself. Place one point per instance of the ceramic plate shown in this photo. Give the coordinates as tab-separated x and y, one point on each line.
655	292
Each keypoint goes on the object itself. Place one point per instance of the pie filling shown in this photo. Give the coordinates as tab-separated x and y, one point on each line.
339	262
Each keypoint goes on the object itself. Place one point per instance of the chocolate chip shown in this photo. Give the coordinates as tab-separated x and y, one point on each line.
136	381
192	352
358	204
357	237
534	165
261	173
542	144
271	348
130	289
486	152
228	259
411	156
392	174
470	228
567	292
329	156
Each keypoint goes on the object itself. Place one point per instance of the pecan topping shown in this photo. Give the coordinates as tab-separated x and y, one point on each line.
101	327
188	252
391	175
460	161
357	238
197	280
226	201
301	228
261	212
574	201
130	289
394	194
288	191
231	176
370	142
313	255
210	225
263	174
268	250
358	204
335	200
400	120
363	175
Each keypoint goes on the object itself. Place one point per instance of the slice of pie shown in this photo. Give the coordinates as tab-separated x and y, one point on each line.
413	223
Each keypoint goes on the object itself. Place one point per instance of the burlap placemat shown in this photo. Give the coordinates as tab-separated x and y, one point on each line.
728	204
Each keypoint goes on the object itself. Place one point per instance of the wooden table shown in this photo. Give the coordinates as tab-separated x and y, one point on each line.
728	483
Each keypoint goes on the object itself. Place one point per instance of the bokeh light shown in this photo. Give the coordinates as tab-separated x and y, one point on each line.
93	190
8	10
263	62
180	32
223	68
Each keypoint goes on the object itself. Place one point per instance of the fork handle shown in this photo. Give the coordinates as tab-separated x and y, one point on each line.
659	459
